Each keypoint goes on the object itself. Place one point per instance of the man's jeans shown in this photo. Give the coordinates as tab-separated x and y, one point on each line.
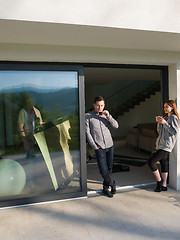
105	162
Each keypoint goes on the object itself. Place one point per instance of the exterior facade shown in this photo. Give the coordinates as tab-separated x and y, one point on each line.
70	36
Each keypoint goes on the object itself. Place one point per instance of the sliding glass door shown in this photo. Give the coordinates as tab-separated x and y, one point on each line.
41	129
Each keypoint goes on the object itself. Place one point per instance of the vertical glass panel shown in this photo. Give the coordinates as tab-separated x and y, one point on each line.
39	129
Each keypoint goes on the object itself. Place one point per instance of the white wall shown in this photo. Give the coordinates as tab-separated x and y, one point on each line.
158	15
177	150
49	53
174	93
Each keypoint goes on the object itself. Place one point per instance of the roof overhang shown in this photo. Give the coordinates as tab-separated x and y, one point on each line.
26	32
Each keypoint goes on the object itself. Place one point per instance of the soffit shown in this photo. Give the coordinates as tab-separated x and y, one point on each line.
25	32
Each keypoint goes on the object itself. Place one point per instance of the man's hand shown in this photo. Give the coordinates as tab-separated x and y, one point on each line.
106	113
97	148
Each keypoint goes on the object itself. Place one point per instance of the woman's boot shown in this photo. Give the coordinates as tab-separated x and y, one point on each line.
163	188
159	186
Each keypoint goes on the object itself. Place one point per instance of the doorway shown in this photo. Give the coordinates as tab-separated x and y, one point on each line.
133	96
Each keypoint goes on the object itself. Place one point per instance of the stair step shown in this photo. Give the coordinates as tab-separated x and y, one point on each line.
136	100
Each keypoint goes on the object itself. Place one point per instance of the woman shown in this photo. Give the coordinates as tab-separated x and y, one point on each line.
167	128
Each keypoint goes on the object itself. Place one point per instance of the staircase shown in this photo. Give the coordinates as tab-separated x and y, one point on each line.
136	100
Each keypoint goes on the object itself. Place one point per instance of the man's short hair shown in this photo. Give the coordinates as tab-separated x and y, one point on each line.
98	99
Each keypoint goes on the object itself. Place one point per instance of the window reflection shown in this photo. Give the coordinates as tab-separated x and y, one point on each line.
39	125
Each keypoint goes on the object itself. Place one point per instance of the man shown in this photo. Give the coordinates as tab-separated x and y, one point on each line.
99	137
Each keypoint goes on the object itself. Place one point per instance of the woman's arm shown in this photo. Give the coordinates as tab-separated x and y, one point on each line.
172	126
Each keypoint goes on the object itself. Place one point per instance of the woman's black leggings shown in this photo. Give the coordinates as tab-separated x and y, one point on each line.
161	156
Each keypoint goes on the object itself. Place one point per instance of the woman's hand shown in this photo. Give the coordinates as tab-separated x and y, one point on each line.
160	119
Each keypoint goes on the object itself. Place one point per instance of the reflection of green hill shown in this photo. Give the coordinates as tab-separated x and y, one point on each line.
64	100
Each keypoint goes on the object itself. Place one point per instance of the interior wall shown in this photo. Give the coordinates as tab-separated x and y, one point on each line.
143	113
112	83
105	90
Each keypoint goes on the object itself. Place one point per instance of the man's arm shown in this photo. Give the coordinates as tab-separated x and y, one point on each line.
89	136
21	123
113	122
21	130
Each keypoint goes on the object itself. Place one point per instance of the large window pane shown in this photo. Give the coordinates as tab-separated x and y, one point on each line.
39	129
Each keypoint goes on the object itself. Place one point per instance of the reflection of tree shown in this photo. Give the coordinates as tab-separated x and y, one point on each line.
10	111
54	113
74	143
14	101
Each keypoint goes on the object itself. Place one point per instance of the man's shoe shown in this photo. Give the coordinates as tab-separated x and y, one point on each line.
113	188
108	193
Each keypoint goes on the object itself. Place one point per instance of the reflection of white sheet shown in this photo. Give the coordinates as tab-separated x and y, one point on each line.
64	137
41	141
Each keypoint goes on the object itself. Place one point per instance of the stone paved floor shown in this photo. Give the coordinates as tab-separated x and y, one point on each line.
131	214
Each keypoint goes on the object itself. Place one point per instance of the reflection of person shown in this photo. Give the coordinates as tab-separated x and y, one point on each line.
99	138
68	173
167	128
26	124
64	137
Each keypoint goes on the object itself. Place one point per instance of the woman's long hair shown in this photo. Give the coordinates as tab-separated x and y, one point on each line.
172	104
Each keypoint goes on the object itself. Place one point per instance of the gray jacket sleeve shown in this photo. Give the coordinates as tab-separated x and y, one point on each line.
112	122
173	125
89	136
159	126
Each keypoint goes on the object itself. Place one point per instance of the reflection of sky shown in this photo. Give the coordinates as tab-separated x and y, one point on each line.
38	79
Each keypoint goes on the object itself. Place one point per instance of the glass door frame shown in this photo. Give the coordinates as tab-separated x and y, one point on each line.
39	66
